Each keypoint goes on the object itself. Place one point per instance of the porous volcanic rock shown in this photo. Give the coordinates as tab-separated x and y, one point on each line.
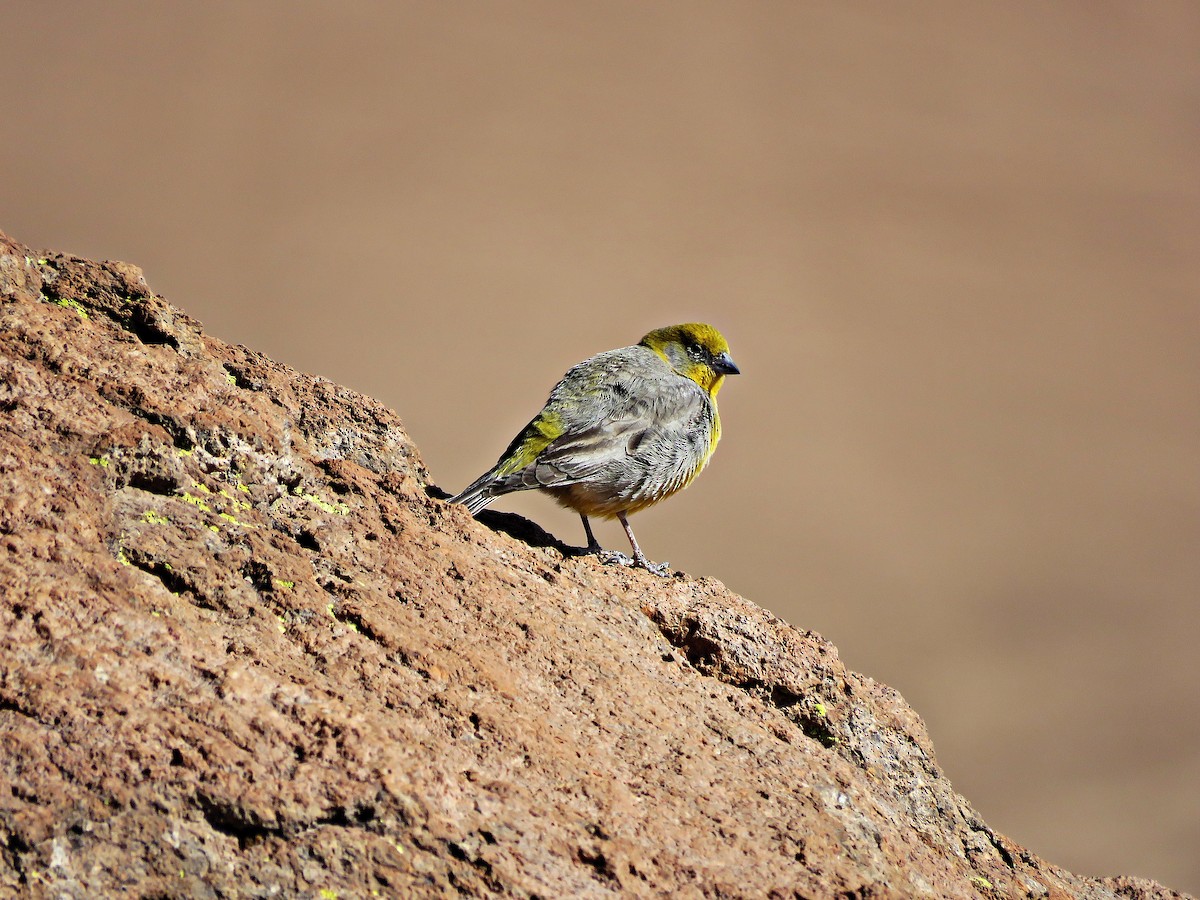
245	651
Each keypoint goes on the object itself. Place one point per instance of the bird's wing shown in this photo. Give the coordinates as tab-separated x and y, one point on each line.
621	416
642	421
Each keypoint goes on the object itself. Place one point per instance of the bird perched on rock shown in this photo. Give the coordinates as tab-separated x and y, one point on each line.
620	432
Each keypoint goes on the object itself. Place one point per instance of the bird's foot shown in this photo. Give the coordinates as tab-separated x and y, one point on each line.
662	569
616	557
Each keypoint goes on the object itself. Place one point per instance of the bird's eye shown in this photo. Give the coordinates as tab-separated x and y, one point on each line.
694	351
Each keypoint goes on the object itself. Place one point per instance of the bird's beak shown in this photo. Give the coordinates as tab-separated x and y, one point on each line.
724	365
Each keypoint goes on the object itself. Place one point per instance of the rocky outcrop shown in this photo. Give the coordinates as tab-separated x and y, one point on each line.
245	651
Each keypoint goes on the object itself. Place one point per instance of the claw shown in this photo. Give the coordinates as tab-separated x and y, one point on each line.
662	569
617	558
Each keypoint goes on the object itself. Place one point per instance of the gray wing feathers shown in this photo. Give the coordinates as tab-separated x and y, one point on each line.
653	438
633	428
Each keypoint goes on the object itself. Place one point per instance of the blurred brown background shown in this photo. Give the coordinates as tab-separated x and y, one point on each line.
955	247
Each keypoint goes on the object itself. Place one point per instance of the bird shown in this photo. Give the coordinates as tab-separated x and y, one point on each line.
621	431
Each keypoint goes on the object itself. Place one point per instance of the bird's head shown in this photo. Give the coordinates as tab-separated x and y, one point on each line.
696	351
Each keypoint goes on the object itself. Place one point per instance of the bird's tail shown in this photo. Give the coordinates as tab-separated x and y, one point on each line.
479	493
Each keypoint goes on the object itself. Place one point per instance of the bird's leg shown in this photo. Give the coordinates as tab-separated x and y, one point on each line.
615	556
607	556
593	545
661	569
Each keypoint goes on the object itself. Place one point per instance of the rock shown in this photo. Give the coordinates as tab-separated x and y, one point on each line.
246	651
